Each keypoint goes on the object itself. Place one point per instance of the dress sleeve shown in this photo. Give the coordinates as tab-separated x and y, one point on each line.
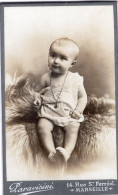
79	79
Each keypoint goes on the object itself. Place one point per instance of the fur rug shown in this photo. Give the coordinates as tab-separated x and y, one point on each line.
95	143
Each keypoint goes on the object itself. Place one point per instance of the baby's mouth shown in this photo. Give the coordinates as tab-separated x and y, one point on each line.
55	67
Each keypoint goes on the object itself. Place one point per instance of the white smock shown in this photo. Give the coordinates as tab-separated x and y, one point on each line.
67	100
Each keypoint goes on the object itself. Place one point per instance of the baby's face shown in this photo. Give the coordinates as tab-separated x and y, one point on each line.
60	59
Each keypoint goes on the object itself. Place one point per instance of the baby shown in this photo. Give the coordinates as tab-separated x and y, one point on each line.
62	98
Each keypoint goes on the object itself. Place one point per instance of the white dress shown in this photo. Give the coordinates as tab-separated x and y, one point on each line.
67	101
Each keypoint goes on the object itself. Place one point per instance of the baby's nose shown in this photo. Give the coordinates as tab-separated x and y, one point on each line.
56	60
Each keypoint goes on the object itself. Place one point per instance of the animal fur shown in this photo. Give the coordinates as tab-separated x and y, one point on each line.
95	137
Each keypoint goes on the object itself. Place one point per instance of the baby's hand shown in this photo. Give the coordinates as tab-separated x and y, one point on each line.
37	101
36	104
75	114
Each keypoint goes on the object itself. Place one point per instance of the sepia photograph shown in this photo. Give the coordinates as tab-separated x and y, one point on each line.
60	106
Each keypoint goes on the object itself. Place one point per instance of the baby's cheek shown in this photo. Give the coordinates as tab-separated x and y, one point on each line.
51	62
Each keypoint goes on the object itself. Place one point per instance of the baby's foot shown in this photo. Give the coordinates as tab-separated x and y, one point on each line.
52	156
63	152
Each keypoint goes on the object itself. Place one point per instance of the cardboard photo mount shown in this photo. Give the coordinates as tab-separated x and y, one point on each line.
26	29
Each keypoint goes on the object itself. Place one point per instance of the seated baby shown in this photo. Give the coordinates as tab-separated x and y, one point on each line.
62	98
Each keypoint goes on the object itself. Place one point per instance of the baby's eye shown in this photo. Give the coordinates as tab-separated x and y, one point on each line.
53	55
63	58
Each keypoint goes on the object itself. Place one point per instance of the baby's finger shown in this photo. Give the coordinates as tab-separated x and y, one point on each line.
35	102
73	115
76	117
70	113
35	106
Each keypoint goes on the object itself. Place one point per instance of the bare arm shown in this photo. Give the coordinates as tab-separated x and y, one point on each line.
82	100
42	82
42	85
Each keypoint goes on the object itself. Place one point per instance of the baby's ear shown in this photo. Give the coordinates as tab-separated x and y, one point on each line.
73	63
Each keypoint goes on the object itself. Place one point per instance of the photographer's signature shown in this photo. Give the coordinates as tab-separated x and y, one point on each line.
19	188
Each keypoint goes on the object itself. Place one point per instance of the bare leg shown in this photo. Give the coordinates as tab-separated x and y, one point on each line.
70	140
45	128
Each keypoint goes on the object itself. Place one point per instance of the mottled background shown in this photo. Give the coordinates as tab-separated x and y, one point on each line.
29	31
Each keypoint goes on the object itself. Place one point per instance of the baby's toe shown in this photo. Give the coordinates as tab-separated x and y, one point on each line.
59	148
51	156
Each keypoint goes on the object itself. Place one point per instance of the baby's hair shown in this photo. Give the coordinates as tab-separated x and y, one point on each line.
70	42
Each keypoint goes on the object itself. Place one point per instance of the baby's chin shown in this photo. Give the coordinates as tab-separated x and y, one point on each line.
55	70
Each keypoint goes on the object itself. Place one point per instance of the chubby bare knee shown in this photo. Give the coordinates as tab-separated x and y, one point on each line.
72	127
44	125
